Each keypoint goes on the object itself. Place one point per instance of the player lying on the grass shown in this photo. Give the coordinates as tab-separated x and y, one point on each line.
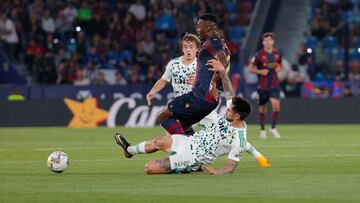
184	111
180	72
224	136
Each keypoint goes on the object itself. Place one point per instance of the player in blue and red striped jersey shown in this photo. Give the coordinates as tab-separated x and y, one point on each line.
184	111
266	64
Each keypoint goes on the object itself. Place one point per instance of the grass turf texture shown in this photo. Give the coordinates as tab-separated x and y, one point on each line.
312	163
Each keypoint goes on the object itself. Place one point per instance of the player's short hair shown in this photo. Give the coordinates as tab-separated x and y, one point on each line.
209	17
242	107
268	34
192	38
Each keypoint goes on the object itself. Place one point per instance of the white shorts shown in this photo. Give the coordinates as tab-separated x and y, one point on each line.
181	159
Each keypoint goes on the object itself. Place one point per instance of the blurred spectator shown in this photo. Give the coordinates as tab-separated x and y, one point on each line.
151	76
74	73
165	23
347	92
97	26
33	49
138	10
48	23
61	55
119	80
89	73
249	78
8	34
92	56
148	44
100	79
295	79
163	44
141	58
62	71
70	13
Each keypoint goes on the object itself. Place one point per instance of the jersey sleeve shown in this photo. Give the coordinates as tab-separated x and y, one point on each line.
214	46
235	154
238	147
167	74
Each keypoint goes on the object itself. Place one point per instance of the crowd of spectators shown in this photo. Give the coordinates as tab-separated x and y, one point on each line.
333	25
81	42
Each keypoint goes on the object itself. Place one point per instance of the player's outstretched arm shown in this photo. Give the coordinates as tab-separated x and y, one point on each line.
228	169
159	85
226	83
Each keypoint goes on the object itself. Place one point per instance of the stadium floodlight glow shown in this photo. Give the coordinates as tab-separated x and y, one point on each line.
56	40
309	50
359	49
78	28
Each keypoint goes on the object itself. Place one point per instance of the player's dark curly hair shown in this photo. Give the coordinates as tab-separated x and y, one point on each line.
242	107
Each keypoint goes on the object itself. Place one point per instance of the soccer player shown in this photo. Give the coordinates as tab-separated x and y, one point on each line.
180	72
184	111
266	64
221	136
224	136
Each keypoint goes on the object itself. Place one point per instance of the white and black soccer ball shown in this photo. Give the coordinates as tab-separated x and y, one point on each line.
58	161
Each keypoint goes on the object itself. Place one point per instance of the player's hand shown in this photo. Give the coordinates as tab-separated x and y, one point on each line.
209	170
263	72
149	97
191	80
215	65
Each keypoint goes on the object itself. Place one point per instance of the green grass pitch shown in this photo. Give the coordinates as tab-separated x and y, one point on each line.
312	163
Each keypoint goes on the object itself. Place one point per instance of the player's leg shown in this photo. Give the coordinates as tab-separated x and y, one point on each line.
263	98
275	105
160	166
261	159
169	123
161	143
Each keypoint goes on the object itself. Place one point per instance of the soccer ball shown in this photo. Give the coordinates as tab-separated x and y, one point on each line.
58	161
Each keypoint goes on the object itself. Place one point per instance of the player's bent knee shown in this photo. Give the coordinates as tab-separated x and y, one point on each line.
165	114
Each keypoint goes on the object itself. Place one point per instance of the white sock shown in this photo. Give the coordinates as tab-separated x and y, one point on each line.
251	150
137	149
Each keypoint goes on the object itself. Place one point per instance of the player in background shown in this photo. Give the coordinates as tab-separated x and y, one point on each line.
266	64
184	111
180	72
225	136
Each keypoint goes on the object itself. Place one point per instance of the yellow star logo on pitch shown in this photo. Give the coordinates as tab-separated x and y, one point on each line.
86	113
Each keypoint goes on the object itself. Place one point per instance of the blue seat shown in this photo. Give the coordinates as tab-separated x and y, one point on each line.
330	43
312	42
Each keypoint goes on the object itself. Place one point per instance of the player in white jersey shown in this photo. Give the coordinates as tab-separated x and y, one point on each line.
226	135
180	72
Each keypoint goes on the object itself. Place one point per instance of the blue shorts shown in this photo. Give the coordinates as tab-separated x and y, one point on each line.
265	95
189	109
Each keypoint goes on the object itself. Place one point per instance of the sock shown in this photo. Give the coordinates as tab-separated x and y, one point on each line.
189	132
251	150
262	120
137	149
275	117
173	126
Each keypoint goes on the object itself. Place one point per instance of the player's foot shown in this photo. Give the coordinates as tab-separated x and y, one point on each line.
275	133
263	161
262	134
120	140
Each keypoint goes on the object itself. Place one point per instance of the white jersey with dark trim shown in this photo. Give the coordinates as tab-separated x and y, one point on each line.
177	73
217	139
